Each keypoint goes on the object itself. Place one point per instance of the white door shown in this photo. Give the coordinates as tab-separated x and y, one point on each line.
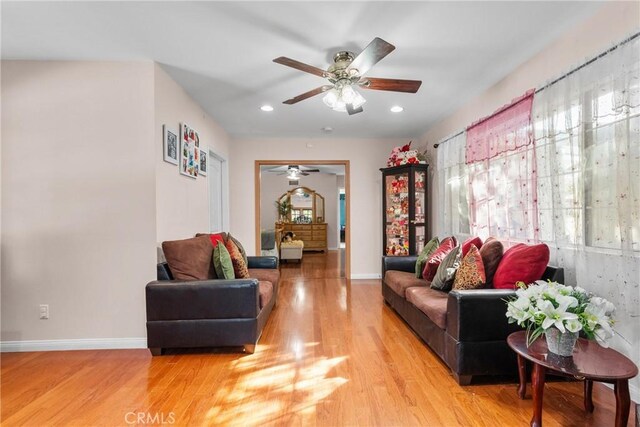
216	190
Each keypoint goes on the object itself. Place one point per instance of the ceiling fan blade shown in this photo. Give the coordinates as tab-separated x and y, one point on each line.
300	66
371	55
309	94
304	174
352	110
393	85
310	170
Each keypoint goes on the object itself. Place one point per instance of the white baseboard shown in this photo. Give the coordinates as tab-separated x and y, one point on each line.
365	276
77	344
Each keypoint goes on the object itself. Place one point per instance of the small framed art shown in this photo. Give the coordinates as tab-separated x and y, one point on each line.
170	144
189	151
204	161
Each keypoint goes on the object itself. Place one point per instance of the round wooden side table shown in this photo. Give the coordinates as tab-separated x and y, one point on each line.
590	362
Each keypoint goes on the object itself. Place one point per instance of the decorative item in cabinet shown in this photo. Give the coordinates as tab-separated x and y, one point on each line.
404	209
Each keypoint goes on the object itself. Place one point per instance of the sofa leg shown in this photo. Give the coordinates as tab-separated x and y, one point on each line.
156	351
462	379
249	348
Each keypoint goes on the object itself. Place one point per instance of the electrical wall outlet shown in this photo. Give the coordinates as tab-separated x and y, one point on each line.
44	311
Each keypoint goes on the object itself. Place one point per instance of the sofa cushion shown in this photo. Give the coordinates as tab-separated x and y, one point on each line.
265	289
443	280
265	274
491	253
429	248
431	302
240	270
521	262
470	274
471	241
222	262
399	281
431	267
190	259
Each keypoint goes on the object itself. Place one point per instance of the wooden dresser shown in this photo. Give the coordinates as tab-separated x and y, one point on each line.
314	235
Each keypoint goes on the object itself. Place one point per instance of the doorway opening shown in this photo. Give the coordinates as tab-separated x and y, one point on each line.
311	208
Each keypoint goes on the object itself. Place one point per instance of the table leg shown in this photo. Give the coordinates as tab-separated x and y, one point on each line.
522	373
537	385
623	402
588	392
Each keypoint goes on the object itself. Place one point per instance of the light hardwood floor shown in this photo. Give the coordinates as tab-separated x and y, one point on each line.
332	354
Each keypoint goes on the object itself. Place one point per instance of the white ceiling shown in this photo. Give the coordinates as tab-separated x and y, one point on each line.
221	52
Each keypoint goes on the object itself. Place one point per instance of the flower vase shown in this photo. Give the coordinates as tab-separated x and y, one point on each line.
561	343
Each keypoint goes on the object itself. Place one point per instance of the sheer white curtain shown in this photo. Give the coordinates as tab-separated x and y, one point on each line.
453	182
501	159
587	137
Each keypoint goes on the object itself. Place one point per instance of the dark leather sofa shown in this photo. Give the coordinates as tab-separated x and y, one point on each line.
466	329
210	313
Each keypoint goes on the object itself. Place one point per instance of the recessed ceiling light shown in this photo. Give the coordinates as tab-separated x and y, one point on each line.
396	109
327	129
266	107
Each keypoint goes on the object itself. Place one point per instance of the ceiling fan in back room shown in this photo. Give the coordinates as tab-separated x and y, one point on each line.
294	171
346	74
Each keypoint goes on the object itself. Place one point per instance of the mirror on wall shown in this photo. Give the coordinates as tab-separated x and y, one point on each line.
301	205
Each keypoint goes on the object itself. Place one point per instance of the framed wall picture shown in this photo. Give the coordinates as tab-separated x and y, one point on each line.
170	144
189	154
204	161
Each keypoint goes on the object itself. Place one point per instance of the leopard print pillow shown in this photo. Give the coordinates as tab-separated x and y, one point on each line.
470	274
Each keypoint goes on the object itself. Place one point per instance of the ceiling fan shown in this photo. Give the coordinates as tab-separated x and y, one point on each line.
347	73
294	171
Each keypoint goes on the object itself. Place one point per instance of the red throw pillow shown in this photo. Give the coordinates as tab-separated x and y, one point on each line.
215	238
432	264
471	241
521	262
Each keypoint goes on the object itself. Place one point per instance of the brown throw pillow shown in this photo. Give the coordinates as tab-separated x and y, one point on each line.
491	253
443	280
190	259
239	266
470	274
240	248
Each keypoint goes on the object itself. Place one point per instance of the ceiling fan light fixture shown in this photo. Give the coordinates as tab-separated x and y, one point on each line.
337	99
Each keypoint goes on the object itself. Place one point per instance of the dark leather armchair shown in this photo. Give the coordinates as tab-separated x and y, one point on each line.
207	313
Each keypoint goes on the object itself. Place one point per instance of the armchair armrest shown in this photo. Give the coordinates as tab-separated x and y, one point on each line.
399	263
479	315
202	299
262	262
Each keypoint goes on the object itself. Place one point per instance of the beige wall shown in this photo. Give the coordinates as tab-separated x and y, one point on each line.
366	156
272	186
182	203
86	196
612	23
78	198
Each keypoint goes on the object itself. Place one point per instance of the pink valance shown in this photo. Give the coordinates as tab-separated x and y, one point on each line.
507	129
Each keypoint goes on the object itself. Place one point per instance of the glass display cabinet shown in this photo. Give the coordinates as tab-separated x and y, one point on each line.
404	207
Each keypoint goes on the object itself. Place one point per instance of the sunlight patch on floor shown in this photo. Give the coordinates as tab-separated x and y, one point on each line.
292	385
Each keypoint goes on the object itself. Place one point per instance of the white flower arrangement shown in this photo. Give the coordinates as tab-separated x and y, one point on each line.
543	305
